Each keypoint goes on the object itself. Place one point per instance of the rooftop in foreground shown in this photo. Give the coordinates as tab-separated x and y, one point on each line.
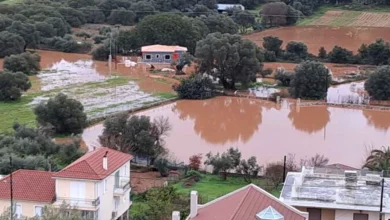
336	189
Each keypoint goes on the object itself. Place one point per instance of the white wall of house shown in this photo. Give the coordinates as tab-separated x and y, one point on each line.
348	214
27	208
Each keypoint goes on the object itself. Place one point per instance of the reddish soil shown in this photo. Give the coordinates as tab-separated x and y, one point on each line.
141	182
321	36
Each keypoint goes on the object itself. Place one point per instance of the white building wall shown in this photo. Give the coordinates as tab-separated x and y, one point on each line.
348	215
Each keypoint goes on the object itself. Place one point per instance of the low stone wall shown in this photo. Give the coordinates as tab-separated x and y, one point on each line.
353	106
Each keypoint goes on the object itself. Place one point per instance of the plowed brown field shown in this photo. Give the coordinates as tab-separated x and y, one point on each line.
354	19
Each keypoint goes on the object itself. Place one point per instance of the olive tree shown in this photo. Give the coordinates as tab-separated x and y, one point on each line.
10	43
378	84
27	31
229	58
249	168
244	19
311	81
12	85
273	44
66	115
121	16
224	162
195	87
27	63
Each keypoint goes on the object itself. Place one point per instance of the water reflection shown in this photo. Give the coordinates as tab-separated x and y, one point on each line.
221	120
379	119
309	119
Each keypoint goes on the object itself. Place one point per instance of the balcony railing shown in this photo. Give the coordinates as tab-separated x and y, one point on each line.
122	187
79	203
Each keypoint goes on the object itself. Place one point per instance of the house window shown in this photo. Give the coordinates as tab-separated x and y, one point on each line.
18	210
88	215
38	210
77	192
105	186
148	57
167	57
359	216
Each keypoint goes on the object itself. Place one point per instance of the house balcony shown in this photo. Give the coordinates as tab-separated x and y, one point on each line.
81	204
121	188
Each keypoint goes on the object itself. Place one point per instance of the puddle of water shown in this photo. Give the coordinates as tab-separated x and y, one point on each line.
267	130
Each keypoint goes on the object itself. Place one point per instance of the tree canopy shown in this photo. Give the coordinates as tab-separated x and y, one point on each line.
195	87
10	43
12	85
27	63
229	58
311	81
378	83
66	115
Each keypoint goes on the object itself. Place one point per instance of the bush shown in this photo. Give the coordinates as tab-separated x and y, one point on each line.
340	55
195	87
272	43
274	173
285	77
66	115
162	166
378	84
298	49
311	81
266	72
269	56
322	53
99	39
101	53
12	85
83	34
195	174
67	44
27	63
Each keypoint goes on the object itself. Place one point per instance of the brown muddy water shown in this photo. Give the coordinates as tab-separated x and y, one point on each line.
322	36
268	130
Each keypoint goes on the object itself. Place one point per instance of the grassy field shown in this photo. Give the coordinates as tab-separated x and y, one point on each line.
351	12
211	187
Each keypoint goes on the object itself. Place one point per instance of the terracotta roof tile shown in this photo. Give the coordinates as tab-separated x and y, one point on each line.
31	185
244	204
90	166
162	48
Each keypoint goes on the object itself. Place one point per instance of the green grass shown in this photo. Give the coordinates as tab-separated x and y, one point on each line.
112	82
16	111
211	187
256	10
164	81
165	95
11	2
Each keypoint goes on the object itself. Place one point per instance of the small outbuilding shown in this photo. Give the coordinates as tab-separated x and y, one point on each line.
225	7
162	53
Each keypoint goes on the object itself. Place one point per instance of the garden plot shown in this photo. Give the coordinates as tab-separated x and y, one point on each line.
99	95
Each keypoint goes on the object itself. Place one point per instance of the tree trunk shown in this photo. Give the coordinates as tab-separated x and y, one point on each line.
24	48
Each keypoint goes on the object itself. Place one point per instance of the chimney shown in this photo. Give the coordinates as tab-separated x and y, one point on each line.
194	204
175	215
105	161
351	178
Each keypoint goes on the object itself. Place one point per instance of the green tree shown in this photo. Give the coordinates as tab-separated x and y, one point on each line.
142	9
378	84
75	18
322	53
137	135
311	81
12	85
60	26
224	162
168	29
162	166
80	3
220	23
127	41
83	34
108	5
93	14
5	22
274	14
10	43
27	31
27	63
249	168
195	87
340	55
272	43
379	52
229	58
292	15
66	115
284	77
244	19
121	16
378	160
45	29
298	49
101	53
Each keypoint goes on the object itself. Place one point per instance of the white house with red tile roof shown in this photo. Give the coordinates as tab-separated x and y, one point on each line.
32	190
98	183
247	203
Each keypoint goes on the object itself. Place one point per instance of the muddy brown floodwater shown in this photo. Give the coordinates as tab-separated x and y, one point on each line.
268	131
322	36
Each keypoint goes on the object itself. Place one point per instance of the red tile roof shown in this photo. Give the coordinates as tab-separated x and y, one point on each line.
31	185
90	166
244	204
162	48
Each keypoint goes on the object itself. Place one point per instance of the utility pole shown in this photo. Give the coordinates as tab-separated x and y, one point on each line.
380	211
110	56
284	169
12	188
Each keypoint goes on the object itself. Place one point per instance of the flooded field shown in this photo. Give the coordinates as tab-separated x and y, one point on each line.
268	131
322	36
